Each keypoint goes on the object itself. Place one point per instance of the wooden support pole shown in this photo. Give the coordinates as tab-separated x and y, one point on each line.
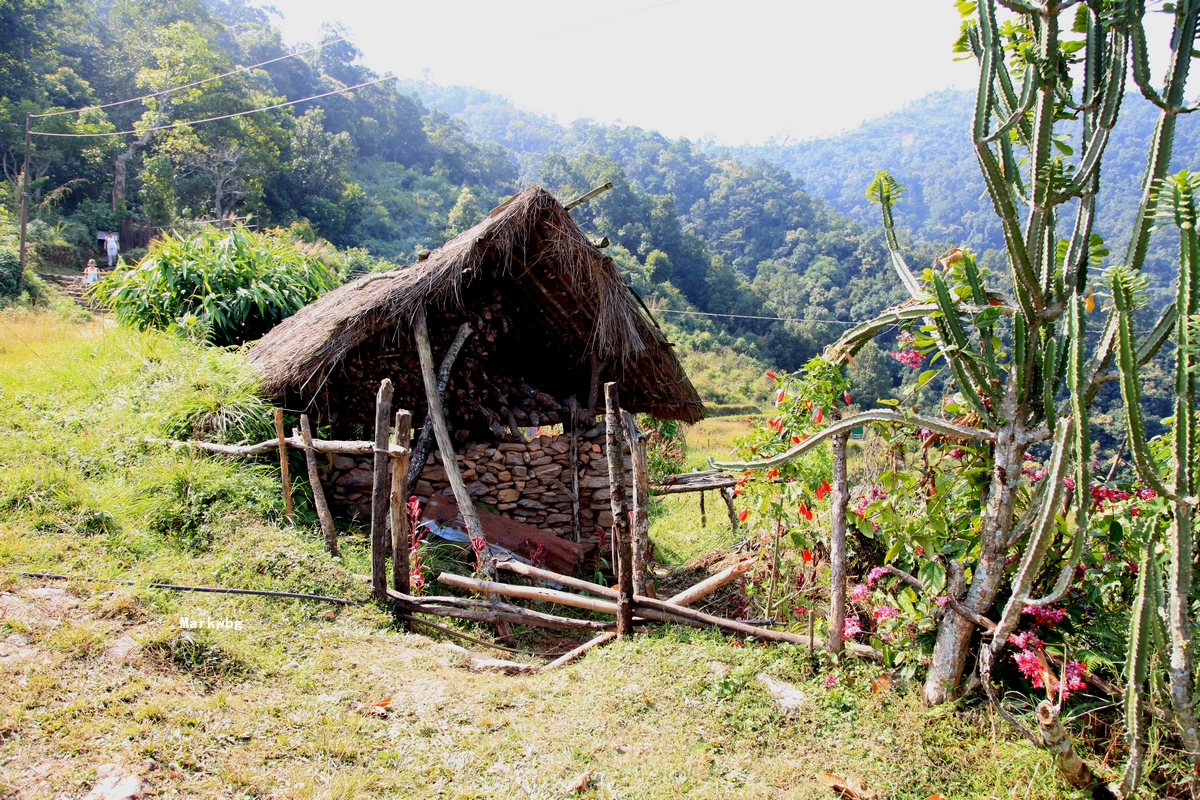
320	445
398	504
380	486
314	480
442	433
575	523
594	386
709	585
567	658
839	501
641	507
425	439
703	516
283	467
620	528
727	496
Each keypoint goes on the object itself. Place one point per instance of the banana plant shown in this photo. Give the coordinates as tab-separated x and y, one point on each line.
1049	70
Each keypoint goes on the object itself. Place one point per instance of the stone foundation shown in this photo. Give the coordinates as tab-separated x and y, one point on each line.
530	483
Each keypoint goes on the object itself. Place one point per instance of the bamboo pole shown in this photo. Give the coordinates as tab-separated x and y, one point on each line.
398	504
620	527
641	510
283	467
380	486
567	658
314	480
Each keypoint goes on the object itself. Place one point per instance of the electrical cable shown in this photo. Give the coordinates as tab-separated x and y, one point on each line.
213	119
186	85
751	316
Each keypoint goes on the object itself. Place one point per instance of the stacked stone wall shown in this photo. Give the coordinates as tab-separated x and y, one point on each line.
529	482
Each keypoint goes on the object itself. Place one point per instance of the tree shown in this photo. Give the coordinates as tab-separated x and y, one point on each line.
1024	368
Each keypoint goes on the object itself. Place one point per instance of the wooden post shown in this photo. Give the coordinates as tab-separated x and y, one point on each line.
434	400
594	387
620	513
641	506
727	496
314	480
398	503
839	500
703	516
575	525
283	466
416	462
380	486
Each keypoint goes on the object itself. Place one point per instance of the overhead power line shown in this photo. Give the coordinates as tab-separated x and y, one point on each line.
186	85
751	316
213	119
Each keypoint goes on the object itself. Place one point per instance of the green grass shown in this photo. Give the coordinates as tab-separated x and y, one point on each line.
270	710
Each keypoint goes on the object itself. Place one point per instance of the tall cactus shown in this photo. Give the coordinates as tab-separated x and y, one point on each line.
1056	61
1177	204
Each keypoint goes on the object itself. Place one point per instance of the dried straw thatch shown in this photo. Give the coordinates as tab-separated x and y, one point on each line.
566	300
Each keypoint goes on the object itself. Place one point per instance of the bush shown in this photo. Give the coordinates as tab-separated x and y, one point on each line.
236	284
10	263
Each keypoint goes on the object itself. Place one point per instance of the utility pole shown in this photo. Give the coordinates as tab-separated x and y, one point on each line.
24	205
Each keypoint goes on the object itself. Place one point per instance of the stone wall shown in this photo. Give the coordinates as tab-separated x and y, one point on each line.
529	482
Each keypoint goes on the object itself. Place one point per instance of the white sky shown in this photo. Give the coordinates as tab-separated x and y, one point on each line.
736	72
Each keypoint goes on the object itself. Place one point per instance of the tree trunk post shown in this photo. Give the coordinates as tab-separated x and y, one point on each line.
575	525
641	507
380	486
727	496
620	528
398	503
420	451
703	516
840	499
314	480
285	478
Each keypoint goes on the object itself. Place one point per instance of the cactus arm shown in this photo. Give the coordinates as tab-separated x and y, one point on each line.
1141	622
1130	389
1157	336
958	345
1006	210
1141	61
979	296
1049	382
940	426
1039	536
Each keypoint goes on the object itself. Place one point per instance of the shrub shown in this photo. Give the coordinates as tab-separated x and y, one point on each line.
9	264
234	283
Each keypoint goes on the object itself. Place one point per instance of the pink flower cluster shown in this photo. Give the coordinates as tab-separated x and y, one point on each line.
860	591
957	452
941	600
830	681
868	497
909	358
1030	664
851	627
1100	494
886	612
1045	616
875	574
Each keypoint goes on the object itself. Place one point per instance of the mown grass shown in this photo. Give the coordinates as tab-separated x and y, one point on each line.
270	710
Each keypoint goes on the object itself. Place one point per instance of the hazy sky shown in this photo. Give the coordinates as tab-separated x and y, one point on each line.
736	71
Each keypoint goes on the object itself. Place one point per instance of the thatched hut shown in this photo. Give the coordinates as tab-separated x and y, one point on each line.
551	320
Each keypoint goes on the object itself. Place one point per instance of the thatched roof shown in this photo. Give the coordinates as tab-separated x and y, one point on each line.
576	304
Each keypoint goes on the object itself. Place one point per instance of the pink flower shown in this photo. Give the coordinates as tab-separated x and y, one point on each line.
1069	482
957	452
919	550
1030	666
851	627
860	591
909	358
875	574
1026	640
886	612
830	681
941	600
1045	616
1146	494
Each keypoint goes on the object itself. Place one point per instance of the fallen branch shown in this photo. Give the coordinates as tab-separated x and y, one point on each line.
446	607
567	658
709	585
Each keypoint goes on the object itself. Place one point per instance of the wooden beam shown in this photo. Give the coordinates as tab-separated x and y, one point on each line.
380	487
425	439
314	480
567	658
641	506
584	198
398	504
351	448
283	467
614	438
709	585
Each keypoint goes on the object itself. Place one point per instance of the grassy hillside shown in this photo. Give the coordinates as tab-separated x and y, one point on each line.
95	673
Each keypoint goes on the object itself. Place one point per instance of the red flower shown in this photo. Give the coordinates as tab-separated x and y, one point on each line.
779	397
771	375
819	417
743	514
772	473
846	397
806	554
796	439
823	490
805	512
808	404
